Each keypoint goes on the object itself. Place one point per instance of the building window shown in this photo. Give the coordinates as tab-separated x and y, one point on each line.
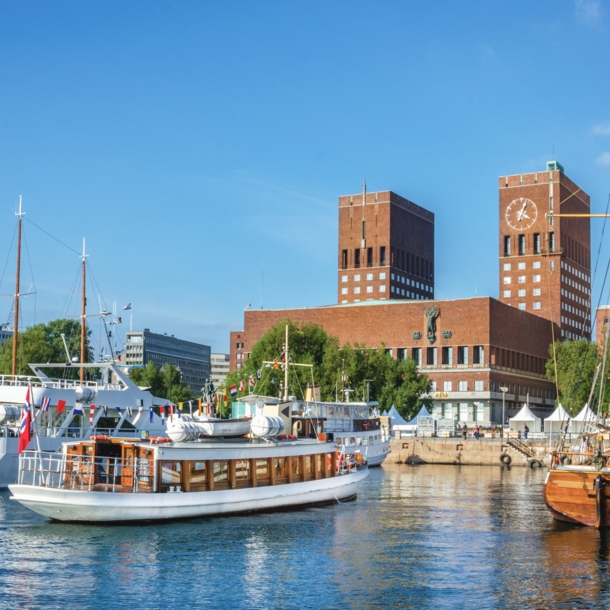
521	244
536	278
551	242
433	386
432	356
463	411
479	386
343	290
536	265
462	386
506	245
401	353
369	276
447	355
382	256
506	266
537	305
416	355
344	301
521	293
369	289
521	265
521	279
344	278
446	386
382	275
536	243
477	355
357	290
391	276
344	259
381	288
462	354
506	280
522	306
357	258
357	278
391	288
447	411
479	411
507	294
369	257
536	292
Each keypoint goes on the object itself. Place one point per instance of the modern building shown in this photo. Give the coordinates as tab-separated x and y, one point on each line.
220	368
6	332
193	359
545	261
386	248
602	323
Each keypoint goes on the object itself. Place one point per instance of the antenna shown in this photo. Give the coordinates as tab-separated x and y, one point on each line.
262	280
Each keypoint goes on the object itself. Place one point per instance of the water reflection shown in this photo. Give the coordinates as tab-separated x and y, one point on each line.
420	537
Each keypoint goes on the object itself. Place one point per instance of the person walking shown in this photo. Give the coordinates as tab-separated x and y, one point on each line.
525	431
476	431
464	431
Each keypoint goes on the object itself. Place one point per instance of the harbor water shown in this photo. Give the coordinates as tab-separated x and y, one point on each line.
416	537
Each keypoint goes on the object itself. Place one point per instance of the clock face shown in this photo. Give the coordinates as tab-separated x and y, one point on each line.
521	214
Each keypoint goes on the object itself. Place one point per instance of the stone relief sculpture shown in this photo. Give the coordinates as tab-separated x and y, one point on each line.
432	314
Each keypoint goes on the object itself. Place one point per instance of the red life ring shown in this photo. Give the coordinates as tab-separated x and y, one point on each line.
366	424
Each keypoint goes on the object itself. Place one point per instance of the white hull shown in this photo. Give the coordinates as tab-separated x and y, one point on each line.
70	505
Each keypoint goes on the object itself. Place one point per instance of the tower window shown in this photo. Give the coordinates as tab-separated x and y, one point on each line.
507	245
344	259
551	242
357	258
521	244
382	256
536	243
369	257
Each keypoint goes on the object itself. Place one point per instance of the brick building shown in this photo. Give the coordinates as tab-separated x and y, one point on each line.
545	262
602	323
386	248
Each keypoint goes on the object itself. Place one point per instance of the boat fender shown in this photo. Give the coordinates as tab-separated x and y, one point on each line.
159	439
299	426
99	437
534	464
506	459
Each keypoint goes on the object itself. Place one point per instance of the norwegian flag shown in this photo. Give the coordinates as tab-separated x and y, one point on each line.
162	411
91	415
242	385
251	381
25	433
45	404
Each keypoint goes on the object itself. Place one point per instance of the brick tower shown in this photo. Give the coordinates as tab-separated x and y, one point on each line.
545	262
386	248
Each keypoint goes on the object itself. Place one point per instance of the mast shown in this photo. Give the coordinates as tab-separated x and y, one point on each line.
83	330
20	214
286	366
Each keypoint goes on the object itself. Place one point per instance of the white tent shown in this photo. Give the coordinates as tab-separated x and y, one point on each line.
586	416
525	416
394	415
557	420
423	412
384	414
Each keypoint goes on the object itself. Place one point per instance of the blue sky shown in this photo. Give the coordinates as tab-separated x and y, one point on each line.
187	141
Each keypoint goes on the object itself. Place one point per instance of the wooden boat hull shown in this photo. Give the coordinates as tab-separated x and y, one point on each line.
91	506
579	495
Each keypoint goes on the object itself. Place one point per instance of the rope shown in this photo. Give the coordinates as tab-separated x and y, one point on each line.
53	237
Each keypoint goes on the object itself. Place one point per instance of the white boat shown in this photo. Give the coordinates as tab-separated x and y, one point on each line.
114	480
51	429
213	426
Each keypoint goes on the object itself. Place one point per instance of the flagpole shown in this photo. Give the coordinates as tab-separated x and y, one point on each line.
34	419
130	320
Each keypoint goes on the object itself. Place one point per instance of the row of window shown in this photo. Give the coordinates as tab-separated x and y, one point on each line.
574	324
535	305
369	289
576	272
521	279
446	354
369	256
369	277
576	251
508	266
409	263
573	284
358	440
408	294
574	310
210	475
408	282
574	297
536	246
462	386
521	293
445	410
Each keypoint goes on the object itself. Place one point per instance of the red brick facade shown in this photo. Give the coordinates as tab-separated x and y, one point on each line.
602	324
545	263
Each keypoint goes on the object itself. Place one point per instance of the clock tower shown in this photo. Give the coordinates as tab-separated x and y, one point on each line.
545	262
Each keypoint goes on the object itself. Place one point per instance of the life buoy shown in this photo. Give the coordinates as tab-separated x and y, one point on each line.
99	437
366	424
299	426
159	439
506	459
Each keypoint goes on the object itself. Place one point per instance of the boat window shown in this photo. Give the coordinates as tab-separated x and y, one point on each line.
221	471
371	440
242	469
296	465
338	441
170	473
331	411
352	441
280	467
197	474
262	469
319	463
359	441
308	464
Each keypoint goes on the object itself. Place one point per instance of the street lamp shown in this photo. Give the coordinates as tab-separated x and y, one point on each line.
503	389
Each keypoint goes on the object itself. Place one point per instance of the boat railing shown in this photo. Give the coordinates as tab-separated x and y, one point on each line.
86	473
36	382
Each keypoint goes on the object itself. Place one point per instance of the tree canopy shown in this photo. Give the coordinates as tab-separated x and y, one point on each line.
577	362
43	343
387	381
163	382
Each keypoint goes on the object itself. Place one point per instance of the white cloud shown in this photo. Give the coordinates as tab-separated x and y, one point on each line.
603	159
601	129
588	12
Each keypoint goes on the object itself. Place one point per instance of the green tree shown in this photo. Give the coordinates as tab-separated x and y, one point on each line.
388	381
43	343
576	365
163	383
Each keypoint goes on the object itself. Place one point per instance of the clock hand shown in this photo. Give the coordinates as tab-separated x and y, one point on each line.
521	212
526	216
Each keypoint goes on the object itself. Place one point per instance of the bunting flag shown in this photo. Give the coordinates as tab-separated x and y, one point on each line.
105	407
251	381
45	404
118	410
162	411
78	410
91	414
171	412
129	412
233	390
61	405
242	385
151	415
180	404
259	373
25	432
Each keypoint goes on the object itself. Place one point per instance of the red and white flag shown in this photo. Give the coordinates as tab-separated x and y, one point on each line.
91	415
251	381
162	411
242	385
25	433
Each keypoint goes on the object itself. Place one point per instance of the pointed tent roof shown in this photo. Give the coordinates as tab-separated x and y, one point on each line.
525	415
396	418
586	414
385	413
559	414
423	412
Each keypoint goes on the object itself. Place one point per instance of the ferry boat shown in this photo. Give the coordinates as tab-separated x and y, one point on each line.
120	480
127	410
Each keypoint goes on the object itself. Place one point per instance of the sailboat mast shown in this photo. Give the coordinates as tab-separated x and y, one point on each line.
17	282
83	329
286	359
